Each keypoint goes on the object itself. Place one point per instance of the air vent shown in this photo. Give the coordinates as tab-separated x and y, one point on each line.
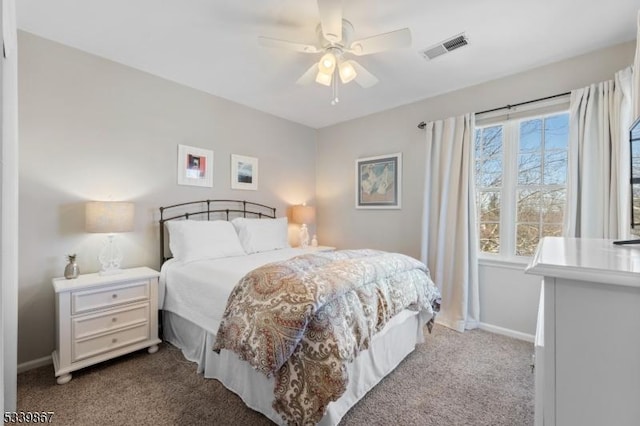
445	46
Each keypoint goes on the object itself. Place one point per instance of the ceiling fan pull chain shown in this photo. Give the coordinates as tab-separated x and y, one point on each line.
334	87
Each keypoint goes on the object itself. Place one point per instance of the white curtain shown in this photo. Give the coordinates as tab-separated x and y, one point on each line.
598	194
449	232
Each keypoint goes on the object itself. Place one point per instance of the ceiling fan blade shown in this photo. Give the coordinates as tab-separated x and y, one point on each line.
290	45
363	77
309	76
331	19
382	42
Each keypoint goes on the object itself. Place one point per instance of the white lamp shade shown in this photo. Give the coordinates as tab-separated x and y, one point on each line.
109	217
303	214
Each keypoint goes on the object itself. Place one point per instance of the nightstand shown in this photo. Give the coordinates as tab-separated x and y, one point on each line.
99	317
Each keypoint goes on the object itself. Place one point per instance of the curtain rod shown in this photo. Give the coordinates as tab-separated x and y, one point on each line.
422	124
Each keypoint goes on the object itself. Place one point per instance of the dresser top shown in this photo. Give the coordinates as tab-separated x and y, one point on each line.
587	259
94	280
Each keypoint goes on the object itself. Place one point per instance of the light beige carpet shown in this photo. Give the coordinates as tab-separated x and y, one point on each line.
472	378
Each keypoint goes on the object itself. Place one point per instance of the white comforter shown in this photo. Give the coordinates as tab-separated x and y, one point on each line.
198	291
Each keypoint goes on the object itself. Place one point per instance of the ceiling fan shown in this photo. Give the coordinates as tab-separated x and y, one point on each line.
335	39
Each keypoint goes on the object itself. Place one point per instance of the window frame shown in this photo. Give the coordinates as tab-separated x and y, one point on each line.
509	190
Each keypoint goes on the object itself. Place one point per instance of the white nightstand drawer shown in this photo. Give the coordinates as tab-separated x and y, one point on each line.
88	325
83	301
108	342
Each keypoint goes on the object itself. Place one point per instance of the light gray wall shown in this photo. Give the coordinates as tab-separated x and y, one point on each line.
509	298
340	224
92	129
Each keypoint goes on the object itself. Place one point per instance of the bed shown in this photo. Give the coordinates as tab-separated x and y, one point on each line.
198	291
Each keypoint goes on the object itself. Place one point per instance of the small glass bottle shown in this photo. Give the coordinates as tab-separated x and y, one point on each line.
314	241
71	271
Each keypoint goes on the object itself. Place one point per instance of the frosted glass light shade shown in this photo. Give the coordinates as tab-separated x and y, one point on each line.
303	214
109	216
324	79
327	63
347	72
326	66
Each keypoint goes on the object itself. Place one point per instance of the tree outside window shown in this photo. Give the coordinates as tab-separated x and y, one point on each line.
521	175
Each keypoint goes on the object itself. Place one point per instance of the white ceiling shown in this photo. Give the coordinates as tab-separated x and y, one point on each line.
211	45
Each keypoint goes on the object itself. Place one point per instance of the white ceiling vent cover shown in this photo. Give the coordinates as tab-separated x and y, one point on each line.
445	46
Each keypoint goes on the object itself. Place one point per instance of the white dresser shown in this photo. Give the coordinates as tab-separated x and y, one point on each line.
100	317
588	335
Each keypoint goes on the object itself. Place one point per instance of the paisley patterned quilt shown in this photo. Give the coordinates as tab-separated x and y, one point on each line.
303	320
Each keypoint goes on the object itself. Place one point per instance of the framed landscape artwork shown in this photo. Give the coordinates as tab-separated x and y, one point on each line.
195	166
379	182
244	172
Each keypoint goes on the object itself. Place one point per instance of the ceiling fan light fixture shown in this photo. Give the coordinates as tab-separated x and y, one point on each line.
334	40
347	72
323	78
327	63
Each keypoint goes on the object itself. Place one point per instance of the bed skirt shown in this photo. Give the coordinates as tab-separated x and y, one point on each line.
388	348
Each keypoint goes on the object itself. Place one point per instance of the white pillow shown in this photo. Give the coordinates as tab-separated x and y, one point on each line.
191	240
257	235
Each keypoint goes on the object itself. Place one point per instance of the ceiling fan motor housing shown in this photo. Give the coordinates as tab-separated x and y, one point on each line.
347	36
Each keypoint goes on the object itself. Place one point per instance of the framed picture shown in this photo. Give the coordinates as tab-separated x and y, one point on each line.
195	166
244	172
379	182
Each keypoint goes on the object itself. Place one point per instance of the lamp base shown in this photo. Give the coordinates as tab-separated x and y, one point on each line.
304	236
110	257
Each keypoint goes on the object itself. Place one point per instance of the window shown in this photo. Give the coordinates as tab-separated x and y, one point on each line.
489	186
521	176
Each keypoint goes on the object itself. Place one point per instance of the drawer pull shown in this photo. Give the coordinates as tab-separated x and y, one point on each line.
114	340
114	319
114	296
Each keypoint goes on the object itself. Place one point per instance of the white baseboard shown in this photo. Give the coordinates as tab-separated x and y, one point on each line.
507	332
30	365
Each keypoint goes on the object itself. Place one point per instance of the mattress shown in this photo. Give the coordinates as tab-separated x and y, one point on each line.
198	291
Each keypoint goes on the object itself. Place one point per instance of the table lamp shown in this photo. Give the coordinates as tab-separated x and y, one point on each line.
110	218
303	215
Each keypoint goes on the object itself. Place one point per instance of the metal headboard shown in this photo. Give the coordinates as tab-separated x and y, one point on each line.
212	209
